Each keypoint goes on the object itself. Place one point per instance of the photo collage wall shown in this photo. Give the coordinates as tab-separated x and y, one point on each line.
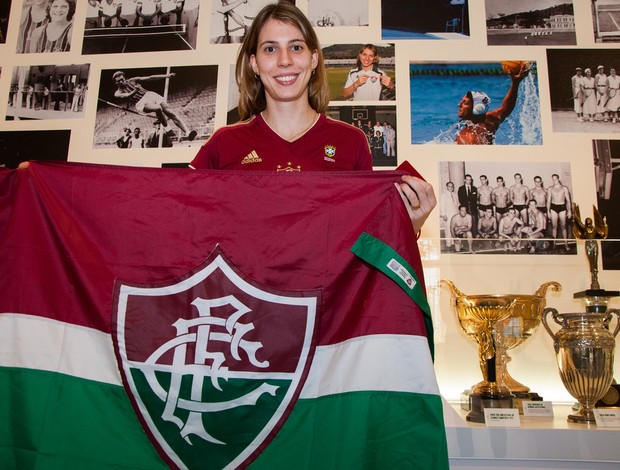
497	103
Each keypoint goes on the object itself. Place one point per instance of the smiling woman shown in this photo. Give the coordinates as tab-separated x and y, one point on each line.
55	36
367	81
283	98
284	64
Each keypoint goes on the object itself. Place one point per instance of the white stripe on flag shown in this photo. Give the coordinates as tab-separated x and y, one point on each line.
43	343
397	363
377	362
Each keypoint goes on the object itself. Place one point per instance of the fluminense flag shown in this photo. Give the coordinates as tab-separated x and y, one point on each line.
154	318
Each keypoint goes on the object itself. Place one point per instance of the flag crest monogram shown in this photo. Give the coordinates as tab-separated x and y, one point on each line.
202	359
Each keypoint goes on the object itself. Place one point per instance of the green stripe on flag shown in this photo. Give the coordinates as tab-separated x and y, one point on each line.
384	258
55	421
355	430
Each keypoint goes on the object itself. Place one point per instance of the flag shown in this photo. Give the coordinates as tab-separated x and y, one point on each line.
154	318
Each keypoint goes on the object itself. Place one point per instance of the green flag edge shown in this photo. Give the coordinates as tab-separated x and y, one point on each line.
389	262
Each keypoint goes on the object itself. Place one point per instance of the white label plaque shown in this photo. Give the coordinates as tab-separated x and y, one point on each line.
537	409
607	417
502	417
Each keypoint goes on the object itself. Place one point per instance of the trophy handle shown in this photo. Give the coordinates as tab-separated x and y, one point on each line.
453	288
617	312
546	311
542	290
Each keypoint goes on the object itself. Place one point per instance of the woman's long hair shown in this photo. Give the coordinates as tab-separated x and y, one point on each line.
252	98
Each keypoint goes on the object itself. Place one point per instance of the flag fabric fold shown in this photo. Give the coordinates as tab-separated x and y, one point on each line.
367	397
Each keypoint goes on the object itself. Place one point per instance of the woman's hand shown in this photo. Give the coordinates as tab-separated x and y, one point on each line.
419	199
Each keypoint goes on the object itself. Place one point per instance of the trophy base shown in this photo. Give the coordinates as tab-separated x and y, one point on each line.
582	417
596	300
479	401
596	293
520	397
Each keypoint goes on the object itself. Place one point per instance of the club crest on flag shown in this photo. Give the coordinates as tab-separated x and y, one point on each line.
206	365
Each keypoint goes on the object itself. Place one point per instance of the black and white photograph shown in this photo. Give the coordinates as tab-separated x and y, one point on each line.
118	26
475	103
328	13
506	208
378	124
530	23
5	11
606	154
361	72
230	19
606	20
232	110
583	86
46	26
48	92
23	146
155	107
424	19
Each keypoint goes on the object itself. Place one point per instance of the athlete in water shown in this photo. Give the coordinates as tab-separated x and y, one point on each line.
480	124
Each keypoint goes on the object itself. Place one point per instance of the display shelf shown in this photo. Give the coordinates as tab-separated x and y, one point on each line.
539	443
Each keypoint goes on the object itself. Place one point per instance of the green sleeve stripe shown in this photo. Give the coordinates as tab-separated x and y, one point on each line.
390	263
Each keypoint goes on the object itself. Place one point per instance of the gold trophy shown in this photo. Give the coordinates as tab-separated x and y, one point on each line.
591	231
497	323
584	346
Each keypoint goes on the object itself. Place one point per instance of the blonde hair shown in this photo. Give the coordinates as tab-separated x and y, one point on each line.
252	99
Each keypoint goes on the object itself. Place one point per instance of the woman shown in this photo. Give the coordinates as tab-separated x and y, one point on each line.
613	84
366	81
55	36
283	98
33	16
588	93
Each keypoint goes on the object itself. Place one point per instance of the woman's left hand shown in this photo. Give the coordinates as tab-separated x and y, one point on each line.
419	199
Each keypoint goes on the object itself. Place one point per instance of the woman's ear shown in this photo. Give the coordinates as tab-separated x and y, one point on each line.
253	64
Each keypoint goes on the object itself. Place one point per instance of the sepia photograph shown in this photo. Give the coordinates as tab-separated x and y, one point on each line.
530	23
46	26
155	107
583	86
360	72
230	19
328	13
506	208
424	19
118	26
606	20
479	103
378	123
606	154
5	11
48	92
23	146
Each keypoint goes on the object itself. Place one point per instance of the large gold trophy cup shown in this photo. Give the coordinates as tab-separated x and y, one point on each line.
497	323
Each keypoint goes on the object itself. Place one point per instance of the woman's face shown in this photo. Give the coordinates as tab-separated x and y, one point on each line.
367	58
284	62
59	9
